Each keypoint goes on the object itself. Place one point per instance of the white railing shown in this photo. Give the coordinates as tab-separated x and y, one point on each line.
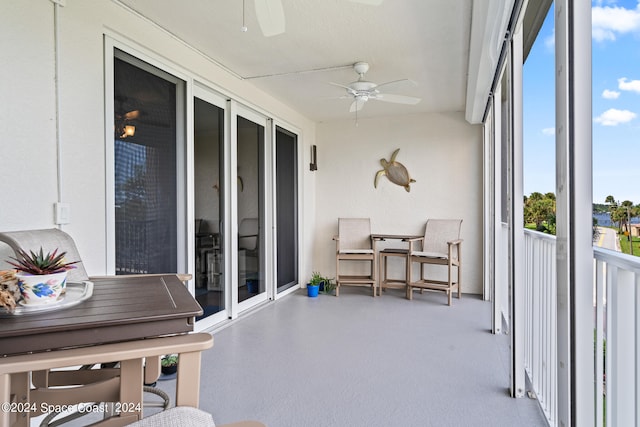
616	300
540	357
617	306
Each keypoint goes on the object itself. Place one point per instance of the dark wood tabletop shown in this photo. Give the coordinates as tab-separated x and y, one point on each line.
120	309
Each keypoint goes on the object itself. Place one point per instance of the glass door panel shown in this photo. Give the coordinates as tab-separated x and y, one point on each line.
145	170
208	143
250	209
286	209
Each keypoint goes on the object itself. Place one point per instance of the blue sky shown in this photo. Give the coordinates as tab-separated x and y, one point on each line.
615	105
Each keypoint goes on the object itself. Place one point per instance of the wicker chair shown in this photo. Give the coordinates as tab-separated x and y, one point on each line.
441	245
354	243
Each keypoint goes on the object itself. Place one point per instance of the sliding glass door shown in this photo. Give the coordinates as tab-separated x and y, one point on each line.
147	182
198	184
209	202
250	133
286	199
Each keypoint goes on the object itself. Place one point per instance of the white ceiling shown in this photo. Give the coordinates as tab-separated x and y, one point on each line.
426	41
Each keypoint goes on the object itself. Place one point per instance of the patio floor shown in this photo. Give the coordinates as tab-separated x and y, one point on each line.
359	361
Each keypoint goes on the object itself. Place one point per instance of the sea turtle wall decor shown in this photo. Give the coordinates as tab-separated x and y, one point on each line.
395	172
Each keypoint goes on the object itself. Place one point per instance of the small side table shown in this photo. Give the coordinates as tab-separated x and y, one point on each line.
385	280
388	282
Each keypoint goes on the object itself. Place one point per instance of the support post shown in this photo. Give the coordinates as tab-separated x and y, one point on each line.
573	214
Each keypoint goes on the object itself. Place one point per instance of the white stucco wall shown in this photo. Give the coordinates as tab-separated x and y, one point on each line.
442	152
28	175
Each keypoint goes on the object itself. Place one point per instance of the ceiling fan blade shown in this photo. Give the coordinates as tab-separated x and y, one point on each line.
371	2
396	84
131	115
356	105
397	99
270	16
339	85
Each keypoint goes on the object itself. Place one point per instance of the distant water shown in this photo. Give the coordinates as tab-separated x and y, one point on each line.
604	219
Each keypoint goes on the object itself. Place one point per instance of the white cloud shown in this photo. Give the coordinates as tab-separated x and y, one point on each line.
608	21
610	94
550	41
631	85
549	131
613	117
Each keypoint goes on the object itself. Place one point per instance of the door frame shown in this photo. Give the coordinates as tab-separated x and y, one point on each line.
214	98
236	110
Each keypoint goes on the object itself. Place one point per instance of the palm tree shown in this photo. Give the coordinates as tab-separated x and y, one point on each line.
613	209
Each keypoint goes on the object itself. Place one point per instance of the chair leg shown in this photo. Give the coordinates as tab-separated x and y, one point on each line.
337	276
459	281
409	279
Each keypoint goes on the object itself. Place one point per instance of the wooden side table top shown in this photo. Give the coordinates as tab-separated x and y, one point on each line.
120	309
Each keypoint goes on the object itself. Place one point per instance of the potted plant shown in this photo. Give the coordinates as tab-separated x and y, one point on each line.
327	286
169	364
314	284
41	277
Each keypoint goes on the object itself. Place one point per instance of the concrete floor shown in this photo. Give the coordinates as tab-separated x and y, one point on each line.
358	361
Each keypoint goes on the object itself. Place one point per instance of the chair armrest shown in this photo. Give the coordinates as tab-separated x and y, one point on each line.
412	240
374	239
457	244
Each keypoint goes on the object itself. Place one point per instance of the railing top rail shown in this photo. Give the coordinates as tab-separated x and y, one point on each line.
539	235
624	261
620	260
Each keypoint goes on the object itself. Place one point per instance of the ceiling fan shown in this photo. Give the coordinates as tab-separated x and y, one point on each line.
270	15
362	91
123	127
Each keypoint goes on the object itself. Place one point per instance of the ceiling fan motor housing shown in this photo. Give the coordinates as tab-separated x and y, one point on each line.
361	67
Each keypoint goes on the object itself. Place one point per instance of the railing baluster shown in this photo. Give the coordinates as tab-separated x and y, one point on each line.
610	341
600	271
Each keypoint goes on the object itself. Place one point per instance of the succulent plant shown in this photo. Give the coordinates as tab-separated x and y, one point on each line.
169	360
37	263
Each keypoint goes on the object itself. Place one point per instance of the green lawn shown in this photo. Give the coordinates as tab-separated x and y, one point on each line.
624	244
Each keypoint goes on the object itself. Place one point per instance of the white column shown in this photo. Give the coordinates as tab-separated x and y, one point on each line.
488	240
499	253
517	217
573	213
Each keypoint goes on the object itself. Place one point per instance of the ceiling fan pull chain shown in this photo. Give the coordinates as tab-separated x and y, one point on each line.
244	27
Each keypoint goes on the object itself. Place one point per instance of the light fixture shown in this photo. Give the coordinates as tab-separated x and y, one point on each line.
313	166
124	131
129	130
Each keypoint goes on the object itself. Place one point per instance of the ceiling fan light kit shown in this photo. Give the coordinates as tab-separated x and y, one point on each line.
362	90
